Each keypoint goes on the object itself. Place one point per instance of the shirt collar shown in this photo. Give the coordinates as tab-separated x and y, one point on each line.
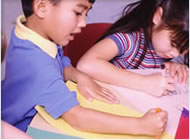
25	33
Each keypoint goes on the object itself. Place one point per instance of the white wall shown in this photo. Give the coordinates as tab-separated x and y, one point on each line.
10	9
107	10
103	11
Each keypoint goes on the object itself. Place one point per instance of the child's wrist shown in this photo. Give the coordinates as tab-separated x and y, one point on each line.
143	83
80	76
138	126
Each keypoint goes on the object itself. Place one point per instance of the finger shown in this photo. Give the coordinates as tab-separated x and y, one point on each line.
110	94
86	95
170	87
187	69
165	120
107	97
165	92
104	99
186	74
167	65
180	74
152	110
162	129
104	92
164	115
98	96
173	71
170	80
167	72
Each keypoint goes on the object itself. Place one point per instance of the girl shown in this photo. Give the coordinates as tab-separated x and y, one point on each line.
149	34
36	71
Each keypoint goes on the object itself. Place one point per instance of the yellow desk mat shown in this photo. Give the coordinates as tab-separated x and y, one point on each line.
117	109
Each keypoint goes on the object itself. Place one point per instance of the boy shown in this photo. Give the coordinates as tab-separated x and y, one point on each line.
9	131
36	70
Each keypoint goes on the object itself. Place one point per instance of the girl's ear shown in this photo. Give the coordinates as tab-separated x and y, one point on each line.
157	18
40	8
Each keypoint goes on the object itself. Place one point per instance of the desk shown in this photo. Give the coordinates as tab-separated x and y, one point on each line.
127	97
40	129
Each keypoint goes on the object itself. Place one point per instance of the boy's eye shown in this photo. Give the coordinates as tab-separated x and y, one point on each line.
78	13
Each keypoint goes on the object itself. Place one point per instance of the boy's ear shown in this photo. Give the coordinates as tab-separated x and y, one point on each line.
40	8
157	18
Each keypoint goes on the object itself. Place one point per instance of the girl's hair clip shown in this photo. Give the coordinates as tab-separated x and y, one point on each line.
162	66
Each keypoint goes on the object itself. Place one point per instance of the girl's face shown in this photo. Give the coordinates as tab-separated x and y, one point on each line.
162	44
65	19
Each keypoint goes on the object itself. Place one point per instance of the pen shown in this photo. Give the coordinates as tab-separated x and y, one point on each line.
157	111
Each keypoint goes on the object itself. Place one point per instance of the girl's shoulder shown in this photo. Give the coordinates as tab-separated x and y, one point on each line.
126	42
130	36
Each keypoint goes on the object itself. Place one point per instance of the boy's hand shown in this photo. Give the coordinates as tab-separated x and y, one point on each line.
179	70
153	123
158	85
90	89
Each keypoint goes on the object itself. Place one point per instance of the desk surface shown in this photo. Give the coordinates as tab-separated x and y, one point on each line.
126	97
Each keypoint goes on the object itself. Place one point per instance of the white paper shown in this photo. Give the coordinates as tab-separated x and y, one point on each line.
142	102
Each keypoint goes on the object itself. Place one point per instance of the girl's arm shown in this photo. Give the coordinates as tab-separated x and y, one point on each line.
180	71
89	120
96	64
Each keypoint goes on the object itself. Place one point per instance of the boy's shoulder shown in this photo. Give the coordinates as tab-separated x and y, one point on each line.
23	46
26	52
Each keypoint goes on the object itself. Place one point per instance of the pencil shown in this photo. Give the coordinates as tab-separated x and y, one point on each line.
158	110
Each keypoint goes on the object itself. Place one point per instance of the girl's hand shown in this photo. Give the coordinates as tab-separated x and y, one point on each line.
158	85
153	123
90	89
179	70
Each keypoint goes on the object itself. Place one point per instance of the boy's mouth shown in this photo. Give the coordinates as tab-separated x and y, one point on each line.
71	37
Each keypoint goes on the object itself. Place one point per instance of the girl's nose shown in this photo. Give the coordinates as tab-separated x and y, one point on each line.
175	52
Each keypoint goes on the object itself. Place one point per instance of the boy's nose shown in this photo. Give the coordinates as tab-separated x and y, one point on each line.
82	22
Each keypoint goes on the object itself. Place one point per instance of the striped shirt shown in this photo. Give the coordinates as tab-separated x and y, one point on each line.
130	48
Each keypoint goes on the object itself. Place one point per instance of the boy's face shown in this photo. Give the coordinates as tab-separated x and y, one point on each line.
64	20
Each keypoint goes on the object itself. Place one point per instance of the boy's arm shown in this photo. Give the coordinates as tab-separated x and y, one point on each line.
93	121
87	87
11	132
72	74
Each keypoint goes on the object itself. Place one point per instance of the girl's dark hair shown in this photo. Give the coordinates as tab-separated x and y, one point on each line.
139	15
27	6
186	59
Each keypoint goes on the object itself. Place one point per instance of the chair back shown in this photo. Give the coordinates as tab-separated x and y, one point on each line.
83	41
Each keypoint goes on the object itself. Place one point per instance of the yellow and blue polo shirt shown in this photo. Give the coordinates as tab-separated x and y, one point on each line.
34	76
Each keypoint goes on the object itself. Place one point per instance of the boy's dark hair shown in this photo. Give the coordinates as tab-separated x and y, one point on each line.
27	6
3	46
138	15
